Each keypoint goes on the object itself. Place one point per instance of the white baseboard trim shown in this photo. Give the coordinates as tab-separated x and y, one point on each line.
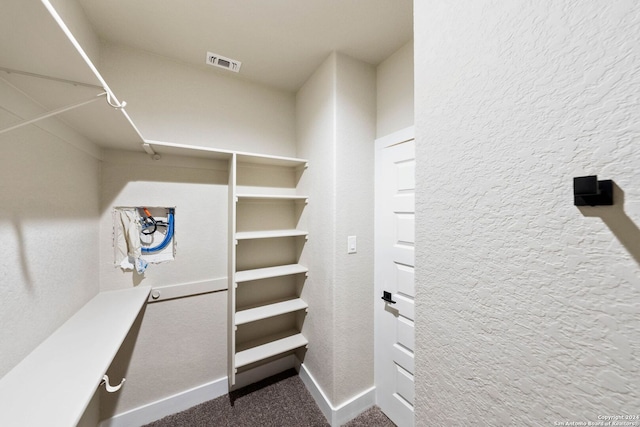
169	405
336	416
188	398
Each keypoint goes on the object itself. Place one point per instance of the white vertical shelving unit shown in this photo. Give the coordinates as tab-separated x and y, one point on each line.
265	310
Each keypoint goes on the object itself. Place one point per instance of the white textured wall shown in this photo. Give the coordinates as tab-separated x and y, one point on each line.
180	343
336	129
394	85
315	113
353	316
528	308
170	101
49	210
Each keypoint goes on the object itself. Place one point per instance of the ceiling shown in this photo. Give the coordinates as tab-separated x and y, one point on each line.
279	42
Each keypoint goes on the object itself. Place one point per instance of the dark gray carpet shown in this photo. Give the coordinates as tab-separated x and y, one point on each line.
278	401
371	417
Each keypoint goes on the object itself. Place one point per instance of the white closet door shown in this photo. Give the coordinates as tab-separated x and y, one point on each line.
394	276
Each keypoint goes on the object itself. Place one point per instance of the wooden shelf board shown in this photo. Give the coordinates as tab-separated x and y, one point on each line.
268	234
269	310
270	349
265	273
63	373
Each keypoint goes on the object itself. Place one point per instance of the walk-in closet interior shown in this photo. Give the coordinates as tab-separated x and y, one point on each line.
429	209
172	219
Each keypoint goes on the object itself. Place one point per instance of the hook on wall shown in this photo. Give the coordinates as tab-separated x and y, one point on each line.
111	388
588	191
116	105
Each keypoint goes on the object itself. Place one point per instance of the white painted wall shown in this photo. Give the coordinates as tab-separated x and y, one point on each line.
315	112
527	307
394	85
170	101
49	210
353	315
179	344
336	128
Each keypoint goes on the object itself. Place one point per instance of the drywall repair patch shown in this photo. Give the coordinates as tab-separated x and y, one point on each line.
143	235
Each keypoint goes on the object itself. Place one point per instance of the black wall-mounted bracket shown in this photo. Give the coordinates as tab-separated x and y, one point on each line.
588	191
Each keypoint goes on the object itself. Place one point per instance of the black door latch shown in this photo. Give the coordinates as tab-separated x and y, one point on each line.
386	296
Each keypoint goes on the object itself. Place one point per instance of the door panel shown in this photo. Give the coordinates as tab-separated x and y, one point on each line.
404	279
403	254
404	380
403	356
404	228
405	333
404	202
404	305
406	174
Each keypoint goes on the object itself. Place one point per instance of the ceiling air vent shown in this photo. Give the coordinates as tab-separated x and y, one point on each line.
223	62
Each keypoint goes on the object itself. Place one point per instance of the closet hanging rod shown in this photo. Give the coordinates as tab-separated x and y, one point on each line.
55	79
52	113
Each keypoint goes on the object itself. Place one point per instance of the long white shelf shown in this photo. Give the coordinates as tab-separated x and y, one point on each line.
272	348
268	272
267	234
283	197
243	157
271	160
62	374
269	310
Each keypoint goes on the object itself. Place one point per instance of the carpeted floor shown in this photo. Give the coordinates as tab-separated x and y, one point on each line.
372	417
279	401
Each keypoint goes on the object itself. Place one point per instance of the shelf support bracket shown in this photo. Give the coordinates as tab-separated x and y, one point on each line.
55	79
150	151
51	113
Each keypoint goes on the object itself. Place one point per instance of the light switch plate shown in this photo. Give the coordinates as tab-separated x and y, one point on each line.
352	245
